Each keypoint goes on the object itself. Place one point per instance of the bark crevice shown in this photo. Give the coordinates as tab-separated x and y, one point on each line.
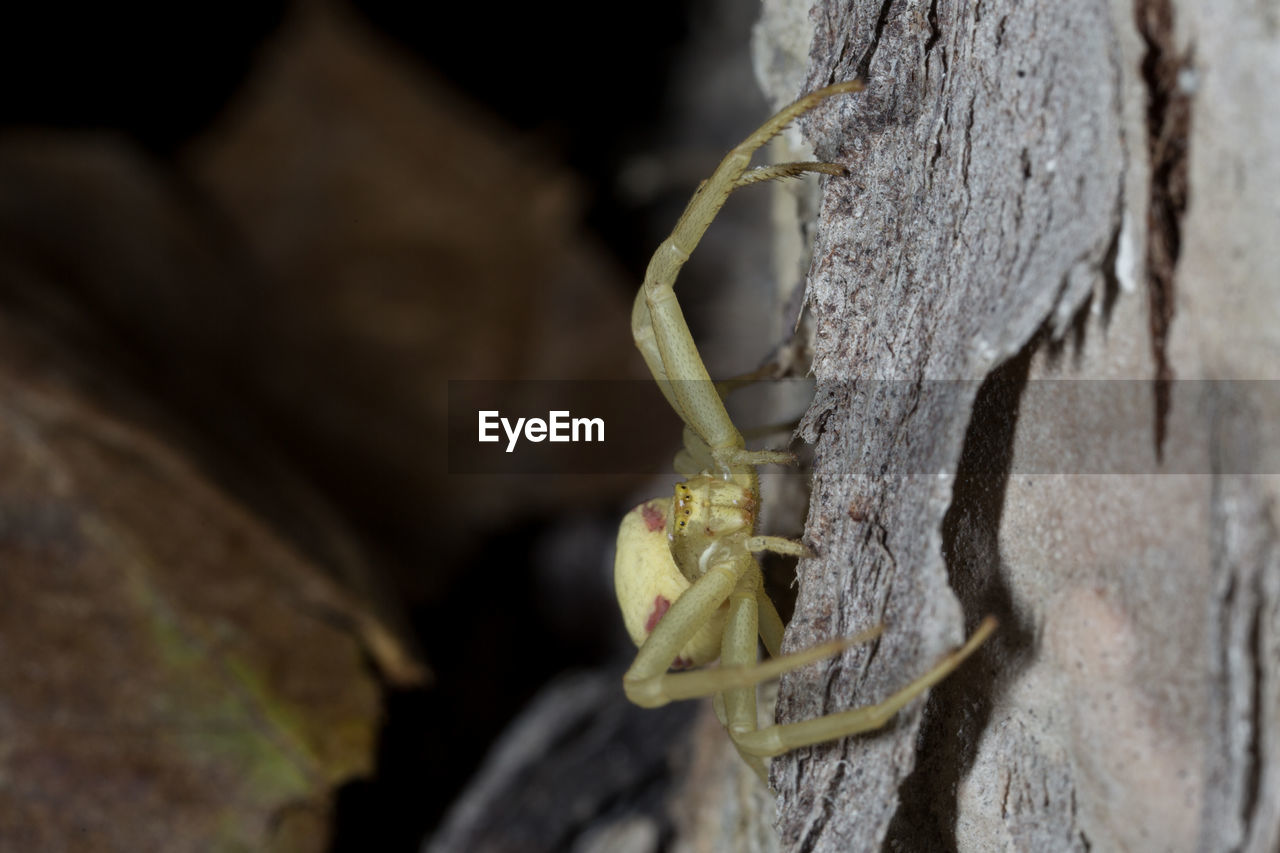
1168	131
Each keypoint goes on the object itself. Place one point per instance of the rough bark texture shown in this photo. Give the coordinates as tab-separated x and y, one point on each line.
1043	191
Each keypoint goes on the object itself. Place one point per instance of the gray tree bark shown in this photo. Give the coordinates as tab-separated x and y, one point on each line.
1043	191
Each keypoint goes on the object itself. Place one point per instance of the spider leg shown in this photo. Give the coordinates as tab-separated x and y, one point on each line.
763	430
647	682
738	649
779	545
736	457
658	324
788	170
776	367
755	762
651	687
777	739
771	626
697	457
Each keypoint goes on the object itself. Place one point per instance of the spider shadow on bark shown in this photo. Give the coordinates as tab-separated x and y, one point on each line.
959	709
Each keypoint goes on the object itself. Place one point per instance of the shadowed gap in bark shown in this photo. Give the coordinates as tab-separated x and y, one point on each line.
959	707
1168	130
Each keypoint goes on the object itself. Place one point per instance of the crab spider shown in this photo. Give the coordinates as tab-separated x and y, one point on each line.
686	574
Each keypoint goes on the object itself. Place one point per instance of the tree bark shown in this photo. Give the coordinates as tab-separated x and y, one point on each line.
1043	191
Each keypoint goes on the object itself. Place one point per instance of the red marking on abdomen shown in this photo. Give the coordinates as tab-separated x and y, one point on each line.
654	519
660	606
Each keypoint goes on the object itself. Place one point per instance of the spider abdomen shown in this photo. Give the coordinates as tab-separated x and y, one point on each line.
648	582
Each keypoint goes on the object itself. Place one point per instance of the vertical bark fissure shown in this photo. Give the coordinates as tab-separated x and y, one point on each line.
1252	757
935	32
863	67
1168	128
814	834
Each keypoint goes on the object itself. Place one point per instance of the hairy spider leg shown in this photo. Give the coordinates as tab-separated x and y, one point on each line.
657	323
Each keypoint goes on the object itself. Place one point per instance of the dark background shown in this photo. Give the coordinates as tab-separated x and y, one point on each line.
587	87
586	91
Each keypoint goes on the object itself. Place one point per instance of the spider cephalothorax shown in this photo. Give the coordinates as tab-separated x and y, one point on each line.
669	543
687	578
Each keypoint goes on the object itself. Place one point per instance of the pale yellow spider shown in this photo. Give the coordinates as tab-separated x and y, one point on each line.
690	588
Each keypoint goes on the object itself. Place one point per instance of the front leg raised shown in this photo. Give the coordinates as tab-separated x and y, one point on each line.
657	322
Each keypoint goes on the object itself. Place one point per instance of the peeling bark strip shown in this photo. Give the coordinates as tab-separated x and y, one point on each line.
1168	129
1240	810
